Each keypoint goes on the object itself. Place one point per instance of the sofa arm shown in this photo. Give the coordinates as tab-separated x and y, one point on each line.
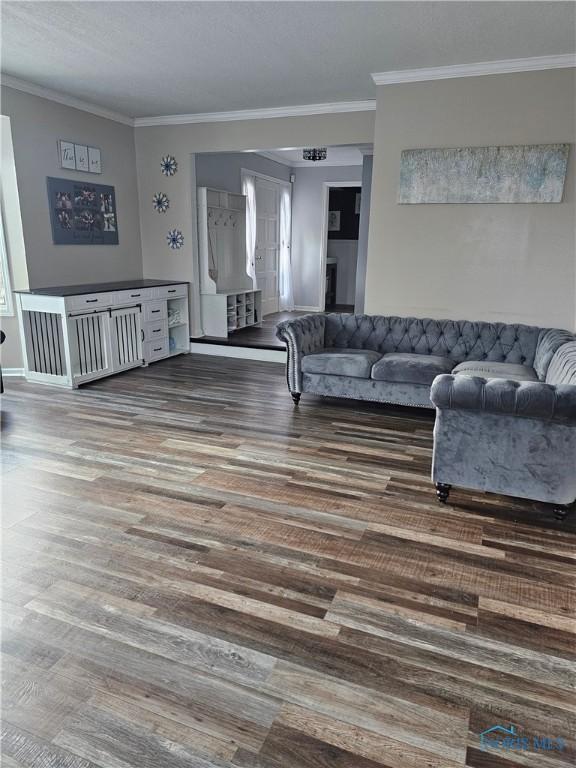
527	399
301	336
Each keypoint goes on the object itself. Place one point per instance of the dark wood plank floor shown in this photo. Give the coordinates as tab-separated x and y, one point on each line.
261	337
198	574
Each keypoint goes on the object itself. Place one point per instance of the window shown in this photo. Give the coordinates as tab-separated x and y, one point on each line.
6	306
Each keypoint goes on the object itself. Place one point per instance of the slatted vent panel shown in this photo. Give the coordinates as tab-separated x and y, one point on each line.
90	340
127	334
45	343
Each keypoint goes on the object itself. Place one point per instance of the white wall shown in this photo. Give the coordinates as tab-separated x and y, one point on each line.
184	140
307	228
11	351
514	263
37	124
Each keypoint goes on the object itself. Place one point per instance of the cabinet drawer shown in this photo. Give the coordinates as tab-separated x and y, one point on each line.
171	291
156	330
154	310
134	296
91	301
155	350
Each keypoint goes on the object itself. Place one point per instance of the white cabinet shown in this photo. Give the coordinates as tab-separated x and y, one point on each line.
155	310
223	313
72	339
90	347
229	300
90	301
156	350
126	338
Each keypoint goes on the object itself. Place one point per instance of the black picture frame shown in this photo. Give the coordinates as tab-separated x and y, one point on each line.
82	213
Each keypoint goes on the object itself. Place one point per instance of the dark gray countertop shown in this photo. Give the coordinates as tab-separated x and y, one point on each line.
77	290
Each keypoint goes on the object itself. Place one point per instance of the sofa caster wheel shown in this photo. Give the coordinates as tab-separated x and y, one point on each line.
296	397
561	512
442	492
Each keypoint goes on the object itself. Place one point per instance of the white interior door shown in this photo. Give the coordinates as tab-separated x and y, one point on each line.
267	242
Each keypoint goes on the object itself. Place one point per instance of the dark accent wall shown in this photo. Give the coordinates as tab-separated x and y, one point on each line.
343	199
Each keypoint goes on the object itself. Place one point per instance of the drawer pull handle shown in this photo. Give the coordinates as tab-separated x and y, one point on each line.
91	301
135	295
156	330
172	290
157	349
155	311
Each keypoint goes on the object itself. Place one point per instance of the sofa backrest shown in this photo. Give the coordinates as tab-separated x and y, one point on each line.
459	340
562	368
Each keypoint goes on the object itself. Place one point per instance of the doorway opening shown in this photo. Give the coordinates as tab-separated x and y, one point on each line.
288	199
340	244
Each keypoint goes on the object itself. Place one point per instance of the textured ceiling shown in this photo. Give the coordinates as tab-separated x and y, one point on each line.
156	58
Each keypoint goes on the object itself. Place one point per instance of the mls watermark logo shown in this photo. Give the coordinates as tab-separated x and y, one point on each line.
506	738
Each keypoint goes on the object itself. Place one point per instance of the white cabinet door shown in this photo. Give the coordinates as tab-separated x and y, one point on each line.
267	242
126	338
90	349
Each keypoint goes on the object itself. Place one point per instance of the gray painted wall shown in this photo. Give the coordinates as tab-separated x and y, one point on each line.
514	263
363	233
345	252
307	226
222	170
233	136
37	124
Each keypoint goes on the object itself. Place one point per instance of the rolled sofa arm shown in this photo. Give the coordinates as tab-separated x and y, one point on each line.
528	399
301	336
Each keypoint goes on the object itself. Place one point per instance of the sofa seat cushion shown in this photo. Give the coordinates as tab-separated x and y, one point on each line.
488	370
410	368
341	362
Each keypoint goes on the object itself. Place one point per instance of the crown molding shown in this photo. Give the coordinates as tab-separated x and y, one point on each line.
259	114
505	66
62	98
203	117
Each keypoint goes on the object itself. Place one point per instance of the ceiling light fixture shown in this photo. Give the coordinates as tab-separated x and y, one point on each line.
319	153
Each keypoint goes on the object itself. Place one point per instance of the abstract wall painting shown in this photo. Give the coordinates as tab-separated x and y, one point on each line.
519	174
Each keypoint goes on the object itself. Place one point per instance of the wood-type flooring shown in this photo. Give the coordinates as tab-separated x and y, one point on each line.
197	574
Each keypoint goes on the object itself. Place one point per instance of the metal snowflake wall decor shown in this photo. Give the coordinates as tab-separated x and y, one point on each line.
175	239
168	165
160	202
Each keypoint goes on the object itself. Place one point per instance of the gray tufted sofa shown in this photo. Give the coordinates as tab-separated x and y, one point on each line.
509	436
505	394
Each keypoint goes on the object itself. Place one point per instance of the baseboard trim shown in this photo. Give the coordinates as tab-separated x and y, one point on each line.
307	309
12	371
242	353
